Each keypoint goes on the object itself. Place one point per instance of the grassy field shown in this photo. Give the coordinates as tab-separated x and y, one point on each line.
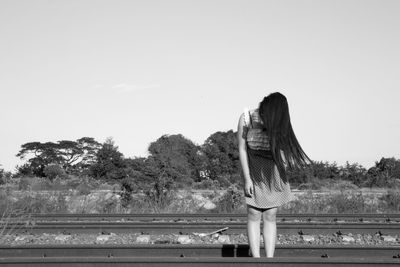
231	200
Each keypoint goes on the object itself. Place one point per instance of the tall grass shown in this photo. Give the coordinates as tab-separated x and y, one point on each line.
344	202
41	196
11	218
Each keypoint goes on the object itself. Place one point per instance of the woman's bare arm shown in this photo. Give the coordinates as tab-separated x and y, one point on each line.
243	157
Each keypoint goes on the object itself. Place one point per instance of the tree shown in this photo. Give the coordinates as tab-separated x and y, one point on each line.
110	163
5	176
53	171
71	155
82	154
221	152
354	173
175	156
139	173
386	172
389	167
89	148
43	155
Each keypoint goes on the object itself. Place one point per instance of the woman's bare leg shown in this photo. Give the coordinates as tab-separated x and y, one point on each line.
269	231
253	230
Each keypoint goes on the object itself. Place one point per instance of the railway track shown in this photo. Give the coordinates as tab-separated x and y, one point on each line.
385	224
194	262
200	255
384	217
195	255
183	227
210	250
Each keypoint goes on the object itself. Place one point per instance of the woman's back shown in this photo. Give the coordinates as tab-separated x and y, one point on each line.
254	131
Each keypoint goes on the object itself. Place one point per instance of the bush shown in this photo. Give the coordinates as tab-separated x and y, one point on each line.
83	189
206	184
8	215
354	173
59	184
313	183
24	183
161	193
4	176
224	180
391	201
39	203
343	185
127	187
231	201
236	179
39	184
347	203
73	182
110	187
54	170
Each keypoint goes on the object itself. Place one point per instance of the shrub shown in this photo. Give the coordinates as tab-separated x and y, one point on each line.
106	186
84	185
24	183
8	214
224	180
83	189
54	170
347	203
206	184
344	202
343	185
231	201
58	184
391	201
73	182
108	204
236	179
354	173
4	176
127	187
158	199
185	204
39	184
313	183
40	203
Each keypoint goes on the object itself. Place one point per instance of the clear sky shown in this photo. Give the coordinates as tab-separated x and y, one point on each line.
135	70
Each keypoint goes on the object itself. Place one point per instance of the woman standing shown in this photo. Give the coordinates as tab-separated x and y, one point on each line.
267	147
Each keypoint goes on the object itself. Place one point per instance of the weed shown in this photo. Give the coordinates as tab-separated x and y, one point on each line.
390	201
11	219
231	201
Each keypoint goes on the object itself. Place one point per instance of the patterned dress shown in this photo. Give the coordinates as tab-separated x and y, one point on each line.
269	189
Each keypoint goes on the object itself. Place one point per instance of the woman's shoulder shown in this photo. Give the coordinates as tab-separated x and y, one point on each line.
250	111
253	111
250	114
256	118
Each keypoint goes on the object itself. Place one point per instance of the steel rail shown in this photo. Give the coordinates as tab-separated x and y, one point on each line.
182	227
209	250
214	216
195	261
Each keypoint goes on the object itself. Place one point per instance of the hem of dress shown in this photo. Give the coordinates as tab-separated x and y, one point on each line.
269	207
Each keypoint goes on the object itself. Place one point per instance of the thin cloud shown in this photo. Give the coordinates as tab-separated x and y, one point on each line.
127	88
96	86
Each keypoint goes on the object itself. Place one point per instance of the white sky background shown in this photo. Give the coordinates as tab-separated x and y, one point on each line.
136	70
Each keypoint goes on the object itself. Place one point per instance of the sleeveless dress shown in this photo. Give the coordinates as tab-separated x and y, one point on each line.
269	189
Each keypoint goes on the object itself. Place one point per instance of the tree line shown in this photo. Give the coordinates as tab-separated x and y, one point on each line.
174	161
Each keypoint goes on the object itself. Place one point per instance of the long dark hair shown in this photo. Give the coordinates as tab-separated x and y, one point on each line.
274	113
